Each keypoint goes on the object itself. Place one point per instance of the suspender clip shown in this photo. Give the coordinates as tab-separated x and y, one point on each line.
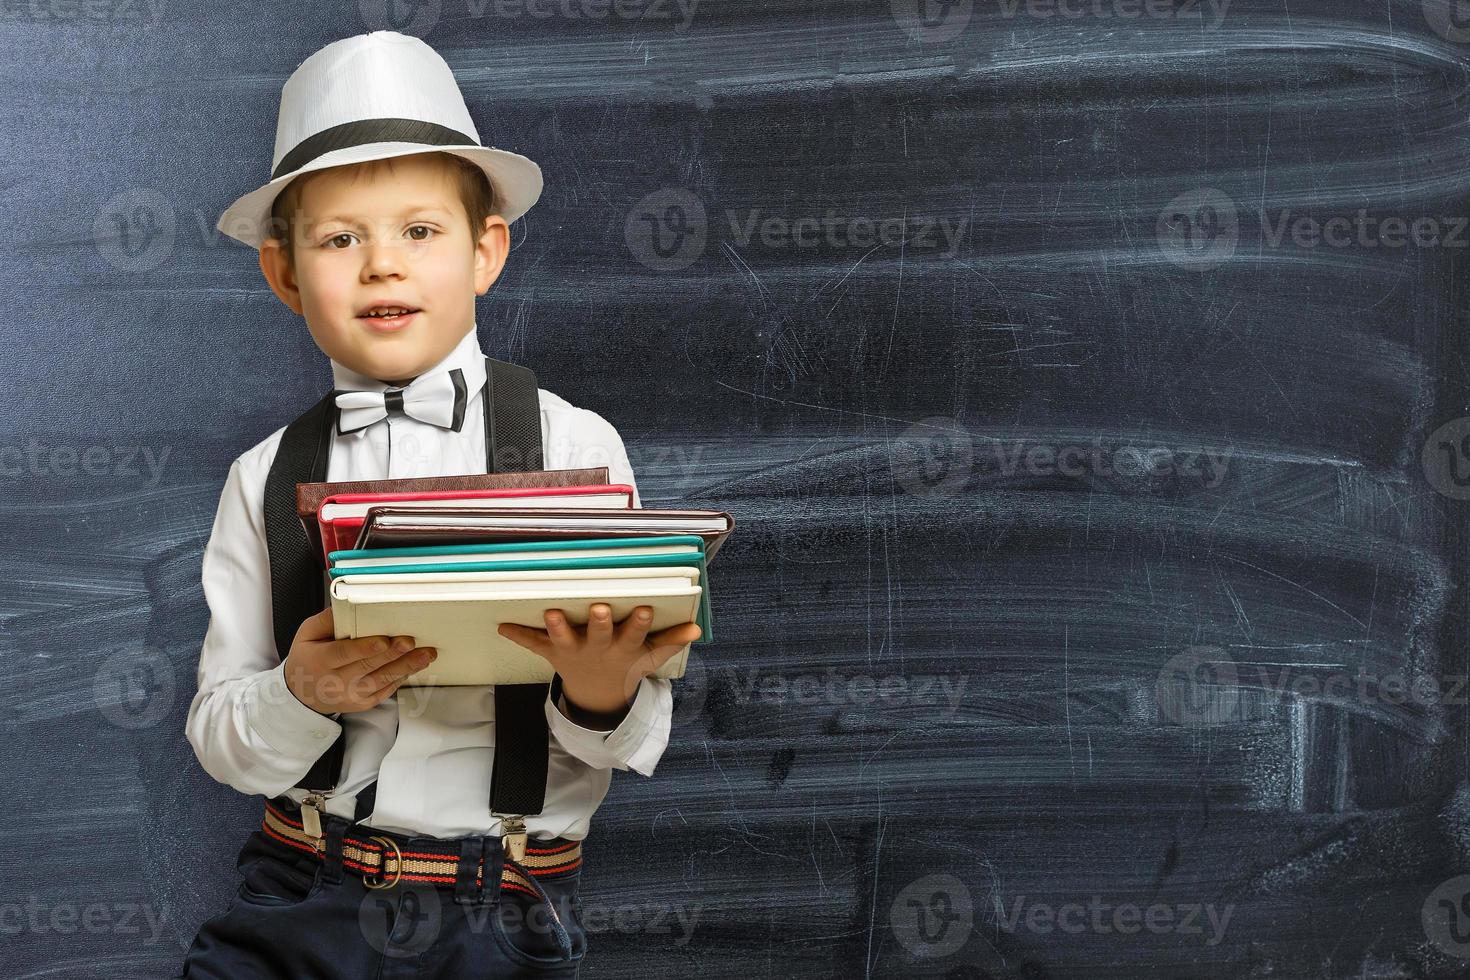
312	808
513	837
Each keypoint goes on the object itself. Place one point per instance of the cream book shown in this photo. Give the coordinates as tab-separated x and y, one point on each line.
458	613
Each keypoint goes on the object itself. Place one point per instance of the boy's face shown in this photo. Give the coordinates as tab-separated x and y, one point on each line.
396	236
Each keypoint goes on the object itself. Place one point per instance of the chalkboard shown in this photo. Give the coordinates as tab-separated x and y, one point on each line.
1087	379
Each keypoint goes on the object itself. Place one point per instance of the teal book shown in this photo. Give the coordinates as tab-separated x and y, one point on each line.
569	544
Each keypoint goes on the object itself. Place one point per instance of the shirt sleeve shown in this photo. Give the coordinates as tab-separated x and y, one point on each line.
639	740
247	728
637	743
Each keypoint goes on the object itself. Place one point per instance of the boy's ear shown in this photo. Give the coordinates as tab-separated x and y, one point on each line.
490	252
278	272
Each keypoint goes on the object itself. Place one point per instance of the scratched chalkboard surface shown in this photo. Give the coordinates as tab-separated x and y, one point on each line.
1087	378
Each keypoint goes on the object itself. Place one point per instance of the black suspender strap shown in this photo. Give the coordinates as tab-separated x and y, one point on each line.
512	419
297	590
512	444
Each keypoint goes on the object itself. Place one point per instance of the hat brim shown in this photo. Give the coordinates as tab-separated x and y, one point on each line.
516	179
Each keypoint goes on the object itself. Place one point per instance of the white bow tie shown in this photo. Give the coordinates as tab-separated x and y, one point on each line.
437	398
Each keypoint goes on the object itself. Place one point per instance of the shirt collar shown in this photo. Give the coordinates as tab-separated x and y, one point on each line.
466	355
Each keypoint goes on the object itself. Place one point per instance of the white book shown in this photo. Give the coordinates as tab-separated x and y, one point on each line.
459	612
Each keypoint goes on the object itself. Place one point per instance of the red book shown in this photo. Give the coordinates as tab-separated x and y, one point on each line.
309	496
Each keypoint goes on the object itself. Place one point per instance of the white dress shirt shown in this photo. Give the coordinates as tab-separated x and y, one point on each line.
430	749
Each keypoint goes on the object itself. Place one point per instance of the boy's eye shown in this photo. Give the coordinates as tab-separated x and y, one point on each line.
342	239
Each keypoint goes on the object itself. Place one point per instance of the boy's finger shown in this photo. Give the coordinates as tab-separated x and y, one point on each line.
661	646
318	627
409	663
631	631
367	653
532	639
599	624
386	692
658	656
675	636
558	630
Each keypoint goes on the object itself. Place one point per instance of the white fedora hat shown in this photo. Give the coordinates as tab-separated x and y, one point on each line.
371	97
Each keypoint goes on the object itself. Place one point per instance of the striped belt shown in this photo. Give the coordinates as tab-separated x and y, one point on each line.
382	860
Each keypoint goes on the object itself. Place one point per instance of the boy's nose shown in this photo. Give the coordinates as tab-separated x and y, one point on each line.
380	258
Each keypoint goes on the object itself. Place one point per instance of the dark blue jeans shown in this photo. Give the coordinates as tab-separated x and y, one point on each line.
295	917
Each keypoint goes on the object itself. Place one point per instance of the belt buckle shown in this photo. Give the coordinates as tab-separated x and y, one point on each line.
397	870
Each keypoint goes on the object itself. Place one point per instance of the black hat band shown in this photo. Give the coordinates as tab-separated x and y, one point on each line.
362	131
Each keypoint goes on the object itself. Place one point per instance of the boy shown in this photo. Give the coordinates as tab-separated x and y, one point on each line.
387	217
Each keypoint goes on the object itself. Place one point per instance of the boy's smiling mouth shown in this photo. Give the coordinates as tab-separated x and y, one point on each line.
388	315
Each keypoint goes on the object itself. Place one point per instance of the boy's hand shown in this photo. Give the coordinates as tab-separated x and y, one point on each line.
327	674
600	666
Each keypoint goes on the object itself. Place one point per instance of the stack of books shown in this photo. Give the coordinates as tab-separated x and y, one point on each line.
446	560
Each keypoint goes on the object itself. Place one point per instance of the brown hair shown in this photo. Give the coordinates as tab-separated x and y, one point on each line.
475	192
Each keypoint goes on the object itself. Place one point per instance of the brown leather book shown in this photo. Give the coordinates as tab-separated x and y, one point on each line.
714	526
309	496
